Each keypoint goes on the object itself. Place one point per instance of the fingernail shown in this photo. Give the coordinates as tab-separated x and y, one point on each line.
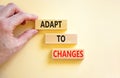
35	16
35	31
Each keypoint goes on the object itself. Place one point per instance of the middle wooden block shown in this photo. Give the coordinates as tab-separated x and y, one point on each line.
60	39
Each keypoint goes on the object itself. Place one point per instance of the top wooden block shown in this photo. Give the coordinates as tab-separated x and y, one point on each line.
51	24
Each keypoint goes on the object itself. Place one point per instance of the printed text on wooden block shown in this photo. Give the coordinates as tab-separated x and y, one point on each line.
51	24
61	39
66	53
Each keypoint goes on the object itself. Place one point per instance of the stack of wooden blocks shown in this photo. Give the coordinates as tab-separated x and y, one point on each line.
58	38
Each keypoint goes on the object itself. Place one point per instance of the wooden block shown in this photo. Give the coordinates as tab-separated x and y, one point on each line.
67	53
61	39
51	24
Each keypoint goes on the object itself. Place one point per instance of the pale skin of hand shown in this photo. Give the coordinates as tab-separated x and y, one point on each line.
10	17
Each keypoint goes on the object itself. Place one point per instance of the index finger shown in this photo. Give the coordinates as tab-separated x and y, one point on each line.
19	18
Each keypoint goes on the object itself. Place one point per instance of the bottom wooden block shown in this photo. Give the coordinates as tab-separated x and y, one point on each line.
67	53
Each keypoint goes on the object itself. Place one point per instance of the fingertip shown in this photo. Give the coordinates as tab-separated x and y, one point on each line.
34	16
34	31
30	33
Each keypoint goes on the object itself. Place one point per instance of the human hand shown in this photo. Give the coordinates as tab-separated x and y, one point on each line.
10	17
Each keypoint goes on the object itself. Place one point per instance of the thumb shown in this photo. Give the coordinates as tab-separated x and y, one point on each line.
26	36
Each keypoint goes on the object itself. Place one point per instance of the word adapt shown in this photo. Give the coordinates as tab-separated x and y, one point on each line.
51	24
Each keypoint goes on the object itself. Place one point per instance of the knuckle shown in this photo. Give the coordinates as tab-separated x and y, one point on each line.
24	15
11	4
2	22
3	25
20	13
